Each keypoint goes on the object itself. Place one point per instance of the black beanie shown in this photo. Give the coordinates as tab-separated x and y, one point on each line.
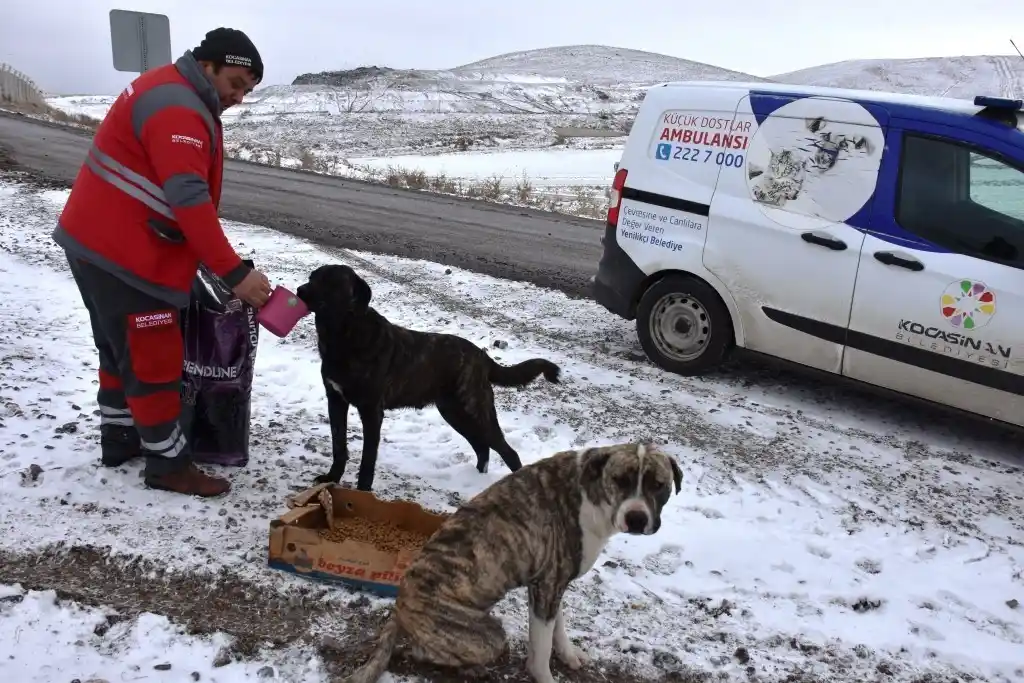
229	47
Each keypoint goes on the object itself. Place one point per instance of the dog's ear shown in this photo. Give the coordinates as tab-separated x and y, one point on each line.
594	461
361	293
677	474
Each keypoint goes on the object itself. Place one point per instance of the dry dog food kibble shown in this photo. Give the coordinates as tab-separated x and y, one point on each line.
384	536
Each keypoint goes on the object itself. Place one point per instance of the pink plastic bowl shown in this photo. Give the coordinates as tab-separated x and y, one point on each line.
281	312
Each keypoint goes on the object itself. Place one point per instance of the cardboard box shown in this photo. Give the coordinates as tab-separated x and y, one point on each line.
296	545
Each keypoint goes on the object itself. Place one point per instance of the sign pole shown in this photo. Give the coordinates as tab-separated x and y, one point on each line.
142	43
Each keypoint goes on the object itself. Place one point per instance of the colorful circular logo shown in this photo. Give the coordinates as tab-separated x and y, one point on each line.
968	304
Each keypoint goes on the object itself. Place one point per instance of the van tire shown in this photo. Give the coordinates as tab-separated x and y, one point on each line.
683	325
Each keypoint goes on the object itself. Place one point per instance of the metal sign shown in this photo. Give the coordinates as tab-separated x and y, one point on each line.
140	40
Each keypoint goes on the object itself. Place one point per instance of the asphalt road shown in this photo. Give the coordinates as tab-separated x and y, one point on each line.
551	250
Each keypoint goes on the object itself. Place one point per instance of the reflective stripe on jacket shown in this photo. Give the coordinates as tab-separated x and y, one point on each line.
144	204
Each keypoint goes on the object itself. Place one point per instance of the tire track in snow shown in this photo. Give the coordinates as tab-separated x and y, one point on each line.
1009	77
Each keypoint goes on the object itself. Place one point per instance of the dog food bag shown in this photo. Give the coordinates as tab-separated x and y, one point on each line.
221	338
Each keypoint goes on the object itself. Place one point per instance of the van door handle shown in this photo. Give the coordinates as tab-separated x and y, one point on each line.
823	241
891	259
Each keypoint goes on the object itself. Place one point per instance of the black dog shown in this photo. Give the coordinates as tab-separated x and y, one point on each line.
375	365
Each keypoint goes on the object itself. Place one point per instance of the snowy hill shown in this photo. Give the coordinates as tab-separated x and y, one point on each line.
996	75
579	79
601	64
525	100
511	101
596	64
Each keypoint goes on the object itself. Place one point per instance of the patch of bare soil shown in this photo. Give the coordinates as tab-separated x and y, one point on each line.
7	162
12	171
257	616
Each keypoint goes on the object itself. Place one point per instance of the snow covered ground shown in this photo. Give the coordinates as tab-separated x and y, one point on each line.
44	639
544	168
94	106
820	535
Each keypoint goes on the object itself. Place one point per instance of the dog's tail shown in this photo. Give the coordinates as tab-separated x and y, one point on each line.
377	664
521	374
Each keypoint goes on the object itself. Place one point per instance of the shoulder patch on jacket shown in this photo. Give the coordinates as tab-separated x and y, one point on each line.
152	101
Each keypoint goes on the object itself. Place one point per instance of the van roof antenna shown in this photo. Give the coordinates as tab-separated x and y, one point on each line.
1016	48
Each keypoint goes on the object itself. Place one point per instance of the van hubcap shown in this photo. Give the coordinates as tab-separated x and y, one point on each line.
680	327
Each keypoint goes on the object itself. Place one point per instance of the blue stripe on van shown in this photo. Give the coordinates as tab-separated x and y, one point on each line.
764	104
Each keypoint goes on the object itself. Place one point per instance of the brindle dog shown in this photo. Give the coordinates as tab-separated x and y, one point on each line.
541	527
375	365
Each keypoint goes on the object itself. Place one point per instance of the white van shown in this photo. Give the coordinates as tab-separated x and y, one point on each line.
871	235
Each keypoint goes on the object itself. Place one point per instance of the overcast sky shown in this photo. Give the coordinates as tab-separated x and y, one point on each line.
65	44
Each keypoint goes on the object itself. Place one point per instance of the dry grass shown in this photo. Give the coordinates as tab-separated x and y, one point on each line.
492	188
442	184
524	189
579	200
52	113
77	119
311	160
587	202
307	160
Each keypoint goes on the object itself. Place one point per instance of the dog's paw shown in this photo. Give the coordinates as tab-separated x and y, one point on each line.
326	479
540	671
574	657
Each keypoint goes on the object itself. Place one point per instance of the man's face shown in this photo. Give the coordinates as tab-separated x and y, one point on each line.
232	82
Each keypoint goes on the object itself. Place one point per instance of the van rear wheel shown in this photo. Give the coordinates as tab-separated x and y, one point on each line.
683	325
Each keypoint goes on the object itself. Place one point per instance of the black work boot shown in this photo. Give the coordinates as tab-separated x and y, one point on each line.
118	445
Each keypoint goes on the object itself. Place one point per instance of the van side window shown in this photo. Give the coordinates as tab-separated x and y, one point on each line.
962	199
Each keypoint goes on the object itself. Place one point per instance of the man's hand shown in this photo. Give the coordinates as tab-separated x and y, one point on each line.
254	289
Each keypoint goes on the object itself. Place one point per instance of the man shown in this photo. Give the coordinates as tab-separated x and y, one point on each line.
141	217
